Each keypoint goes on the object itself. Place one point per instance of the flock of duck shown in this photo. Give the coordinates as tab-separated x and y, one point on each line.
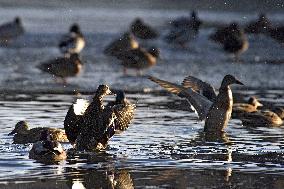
89	126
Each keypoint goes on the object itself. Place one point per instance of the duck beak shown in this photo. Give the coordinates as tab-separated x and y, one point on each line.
238	82
13	132
259	104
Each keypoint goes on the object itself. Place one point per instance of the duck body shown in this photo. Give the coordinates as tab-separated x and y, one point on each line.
100	123
24	135
142	30
63	67
262	25
215	111
73	42
11	30
262	119
139	58
277	33
47	150
239	109
124	43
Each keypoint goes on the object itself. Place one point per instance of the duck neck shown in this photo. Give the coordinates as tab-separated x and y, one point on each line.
98	100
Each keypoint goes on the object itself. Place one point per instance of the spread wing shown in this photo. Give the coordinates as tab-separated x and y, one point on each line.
124	115
200	103
67	42
200	86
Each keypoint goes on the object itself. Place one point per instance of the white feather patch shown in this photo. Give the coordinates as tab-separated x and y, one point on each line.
80	106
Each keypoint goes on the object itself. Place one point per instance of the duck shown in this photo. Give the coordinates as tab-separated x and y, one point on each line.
182	21
216	113
11	30
264	118
279	111
124	43
262	25
47	149
142	30
63	67
99	123
139	59
232	38
73	42
24	135
277	33
184	30
251	106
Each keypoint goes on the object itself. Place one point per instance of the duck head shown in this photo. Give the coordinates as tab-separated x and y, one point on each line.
138	21
193	15
20	127
229	80
120	97
18	20
103	90
253	101
154	51
75	28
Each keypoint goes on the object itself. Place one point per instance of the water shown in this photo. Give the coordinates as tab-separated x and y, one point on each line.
164	146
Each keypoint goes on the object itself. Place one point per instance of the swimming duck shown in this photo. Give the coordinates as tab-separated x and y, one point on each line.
240	108
11	30
63	67
262	25
25	135
279	111
73	42
47	149
184	31
216	113
124	43
139	59
261	119
142	30
277	33
100	123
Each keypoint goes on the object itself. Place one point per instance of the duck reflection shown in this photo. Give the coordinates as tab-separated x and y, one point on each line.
104	175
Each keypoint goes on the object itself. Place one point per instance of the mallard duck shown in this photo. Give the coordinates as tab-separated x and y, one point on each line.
73	42
236	42
100	123
11	30
47	149
216	113
262	25
240	108
261	119
184	30
139	59
124	43
25	135
277	33
142	30
63	67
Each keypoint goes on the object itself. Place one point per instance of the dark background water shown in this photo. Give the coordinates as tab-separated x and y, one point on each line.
165	146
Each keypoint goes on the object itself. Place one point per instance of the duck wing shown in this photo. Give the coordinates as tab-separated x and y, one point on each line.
67	42
200	86
199	103
124	115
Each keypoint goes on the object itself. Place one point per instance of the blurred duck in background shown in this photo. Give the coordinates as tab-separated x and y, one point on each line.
277	33
261	25
142	30
139	59
124	43
239	109
264	118
47	149
63	67
11	30
232	38
73	42
184	30
25	135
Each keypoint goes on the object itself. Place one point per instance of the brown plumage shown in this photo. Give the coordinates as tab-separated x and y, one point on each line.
25	135
239	109
63	67
261	119
142	30
124	43
139	58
